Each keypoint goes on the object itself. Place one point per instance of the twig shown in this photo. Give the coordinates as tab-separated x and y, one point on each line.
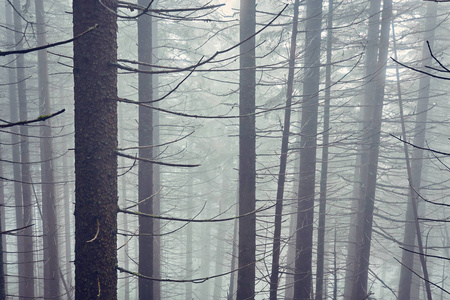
422	148
415	273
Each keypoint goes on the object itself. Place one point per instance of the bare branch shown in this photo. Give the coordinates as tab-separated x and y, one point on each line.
156	162
38	119
136	213
415	273
422	148
4	53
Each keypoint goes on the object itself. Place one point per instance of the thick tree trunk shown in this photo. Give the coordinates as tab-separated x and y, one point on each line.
49	222
95	150
308	149
247	153
145	151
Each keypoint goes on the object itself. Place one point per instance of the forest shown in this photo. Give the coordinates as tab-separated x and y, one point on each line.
224	149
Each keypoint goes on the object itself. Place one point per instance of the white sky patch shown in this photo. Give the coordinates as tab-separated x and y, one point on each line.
229	6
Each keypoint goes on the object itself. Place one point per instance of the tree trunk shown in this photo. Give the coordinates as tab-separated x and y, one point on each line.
220	253
67	219
324	172
409	237
95	91
360	287
156	176
274	277
3	237
189	237
13	114
49	221
145	151
355	232
308	149
26	246
233	280
247	152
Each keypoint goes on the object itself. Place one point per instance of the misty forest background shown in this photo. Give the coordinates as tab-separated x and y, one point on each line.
224	149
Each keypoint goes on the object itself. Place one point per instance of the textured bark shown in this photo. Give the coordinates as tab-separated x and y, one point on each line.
409	237
247	153
368	197
49	221
26	242
324	171
274	276
95	145
145	172
308	149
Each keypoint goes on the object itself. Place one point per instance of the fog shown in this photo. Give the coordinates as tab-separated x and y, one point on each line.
224	150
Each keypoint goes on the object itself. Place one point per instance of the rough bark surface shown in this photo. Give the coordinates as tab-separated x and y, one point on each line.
95	146
247	156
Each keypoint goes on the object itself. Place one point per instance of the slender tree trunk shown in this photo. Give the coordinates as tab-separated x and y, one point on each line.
205	255
156	176
49	222
15	145
247	152
360	287
220	238
27	291
324	171
189	237
308	149
409	238
145	151
274	277
95	150
290	257
123	203
233	279
3	237
68	202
